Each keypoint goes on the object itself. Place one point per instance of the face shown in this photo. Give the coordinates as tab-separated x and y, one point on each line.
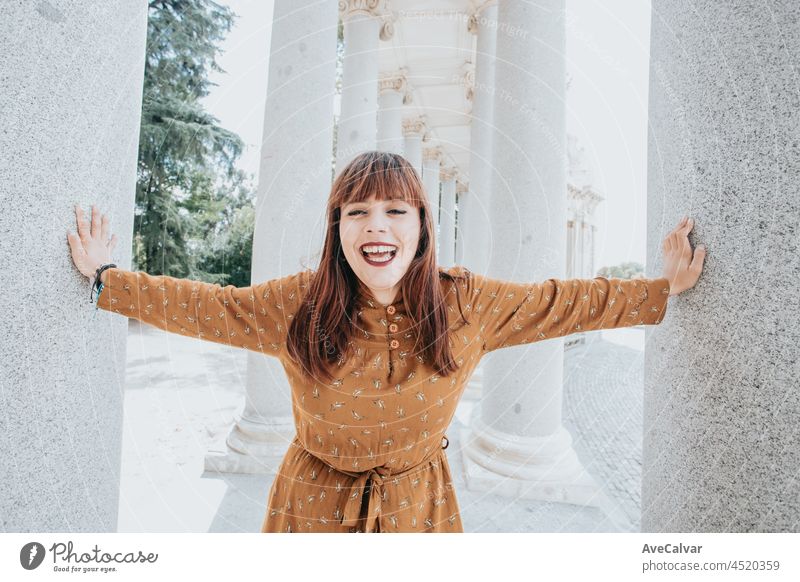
367	229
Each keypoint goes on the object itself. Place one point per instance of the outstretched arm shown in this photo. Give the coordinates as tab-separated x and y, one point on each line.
255	318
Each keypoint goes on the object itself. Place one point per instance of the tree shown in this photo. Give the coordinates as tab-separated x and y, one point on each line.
629	270
182	149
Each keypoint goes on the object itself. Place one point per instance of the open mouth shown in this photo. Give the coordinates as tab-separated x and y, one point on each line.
378	255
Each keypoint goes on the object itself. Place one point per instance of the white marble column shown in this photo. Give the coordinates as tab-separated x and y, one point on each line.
295	178
447	217
366	22
414	134
518	430
393	93
477	242
431	166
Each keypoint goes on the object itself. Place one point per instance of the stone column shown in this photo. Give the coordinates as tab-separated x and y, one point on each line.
447	217
393	93
295	179
721	404
474	226
518	430
70	110
365	23
431	166
474	252
414	134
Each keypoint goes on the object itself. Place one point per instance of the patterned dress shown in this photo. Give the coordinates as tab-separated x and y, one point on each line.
368	454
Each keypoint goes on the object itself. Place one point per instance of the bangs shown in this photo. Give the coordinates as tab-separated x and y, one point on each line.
384	175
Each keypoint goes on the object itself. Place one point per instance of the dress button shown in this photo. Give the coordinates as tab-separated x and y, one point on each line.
391	309
392	327
394	344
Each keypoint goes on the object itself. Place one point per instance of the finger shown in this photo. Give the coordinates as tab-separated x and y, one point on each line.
75	244
679	226
699	259
83	231
95	222
688	225
104	227
112	243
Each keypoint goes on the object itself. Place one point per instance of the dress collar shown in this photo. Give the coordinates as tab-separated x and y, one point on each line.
366	300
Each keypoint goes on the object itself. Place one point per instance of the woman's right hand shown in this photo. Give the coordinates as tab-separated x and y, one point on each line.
91	247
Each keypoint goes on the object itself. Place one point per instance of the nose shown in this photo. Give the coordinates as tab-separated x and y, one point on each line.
376	222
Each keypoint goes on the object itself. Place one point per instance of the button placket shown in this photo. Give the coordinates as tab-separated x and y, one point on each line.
393	343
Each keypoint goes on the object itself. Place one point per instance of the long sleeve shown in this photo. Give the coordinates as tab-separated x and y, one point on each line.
512	313
255	318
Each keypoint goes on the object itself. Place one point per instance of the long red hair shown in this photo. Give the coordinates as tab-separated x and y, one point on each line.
321	331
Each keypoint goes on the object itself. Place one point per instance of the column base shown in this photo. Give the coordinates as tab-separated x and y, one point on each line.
252	447
541	468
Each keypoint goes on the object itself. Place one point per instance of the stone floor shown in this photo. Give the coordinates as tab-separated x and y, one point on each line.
182	395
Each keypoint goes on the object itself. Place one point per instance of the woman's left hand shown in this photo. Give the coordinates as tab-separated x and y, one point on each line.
680	267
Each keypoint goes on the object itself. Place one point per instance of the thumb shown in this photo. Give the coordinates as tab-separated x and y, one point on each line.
699	258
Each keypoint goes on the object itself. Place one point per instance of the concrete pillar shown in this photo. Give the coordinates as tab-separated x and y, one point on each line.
721	404
70	110
392	95
431	166
365	23
474	207
447	217
414	134
295	179
518	430
474	232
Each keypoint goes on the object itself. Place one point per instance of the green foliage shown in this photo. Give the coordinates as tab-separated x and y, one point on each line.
188	187
629	270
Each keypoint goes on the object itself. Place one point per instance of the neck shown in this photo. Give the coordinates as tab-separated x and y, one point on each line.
382	296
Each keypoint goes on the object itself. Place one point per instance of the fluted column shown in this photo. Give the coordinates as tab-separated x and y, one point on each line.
414	135
295	178
518	430
477	242
393	93
431	166
447	217
721	399
70	110
366	22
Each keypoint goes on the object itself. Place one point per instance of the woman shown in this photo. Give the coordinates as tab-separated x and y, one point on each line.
378	344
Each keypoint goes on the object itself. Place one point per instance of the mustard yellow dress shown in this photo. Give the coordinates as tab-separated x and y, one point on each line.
368	454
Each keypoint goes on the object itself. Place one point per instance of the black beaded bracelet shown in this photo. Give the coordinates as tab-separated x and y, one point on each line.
97	282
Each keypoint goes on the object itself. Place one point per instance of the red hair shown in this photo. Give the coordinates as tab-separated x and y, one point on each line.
320	332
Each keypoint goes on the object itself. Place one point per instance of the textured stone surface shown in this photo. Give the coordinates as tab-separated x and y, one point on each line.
70	103
722	405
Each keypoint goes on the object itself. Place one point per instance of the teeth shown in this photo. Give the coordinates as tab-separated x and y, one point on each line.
377	249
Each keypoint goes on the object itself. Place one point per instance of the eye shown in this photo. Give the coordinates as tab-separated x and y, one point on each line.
397	210
354	212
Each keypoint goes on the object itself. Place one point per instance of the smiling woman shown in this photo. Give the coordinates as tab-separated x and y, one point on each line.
378	345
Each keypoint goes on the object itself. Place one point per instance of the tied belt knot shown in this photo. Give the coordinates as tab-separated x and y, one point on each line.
370	483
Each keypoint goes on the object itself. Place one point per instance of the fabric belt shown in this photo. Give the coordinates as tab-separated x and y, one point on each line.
370	482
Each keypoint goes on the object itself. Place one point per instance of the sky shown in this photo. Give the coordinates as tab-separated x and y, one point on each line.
607	63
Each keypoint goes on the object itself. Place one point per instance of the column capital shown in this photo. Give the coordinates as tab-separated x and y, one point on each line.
473	20
395	81
380	9
434	153
416	125
448	173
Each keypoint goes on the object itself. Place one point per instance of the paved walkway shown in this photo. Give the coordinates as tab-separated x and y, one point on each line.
182	395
